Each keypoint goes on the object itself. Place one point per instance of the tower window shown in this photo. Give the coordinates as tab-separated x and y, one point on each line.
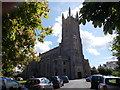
55	62
64	63
64	70
56	73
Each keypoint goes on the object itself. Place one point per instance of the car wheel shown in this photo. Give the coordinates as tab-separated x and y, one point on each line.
98	87
59	85
63	84
92	87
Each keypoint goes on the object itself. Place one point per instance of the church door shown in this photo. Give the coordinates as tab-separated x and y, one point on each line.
79	75
56	73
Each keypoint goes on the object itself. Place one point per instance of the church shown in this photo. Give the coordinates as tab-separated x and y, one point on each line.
66	59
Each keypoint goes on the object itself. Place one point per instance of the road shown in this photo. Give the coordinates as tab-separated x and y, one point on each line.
76	84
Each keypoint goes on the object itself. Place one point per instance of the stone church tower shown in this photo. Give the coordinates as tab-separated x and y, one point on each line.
67	58
71	45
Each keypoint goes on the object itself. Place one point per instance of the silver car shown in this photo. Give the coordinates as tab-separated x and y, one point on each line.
109	82
39	84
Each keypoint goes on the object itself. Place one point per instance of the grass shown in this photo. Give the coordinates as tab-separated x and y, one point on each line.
112	81
22	82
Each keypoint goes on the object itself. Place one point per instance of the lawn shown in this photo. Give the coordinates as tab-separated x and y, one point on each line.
22	82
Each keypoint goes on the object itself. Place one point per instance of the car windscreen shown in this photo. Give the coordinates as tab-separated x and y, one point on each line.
64	78
96	78
32	82
113	81
53	78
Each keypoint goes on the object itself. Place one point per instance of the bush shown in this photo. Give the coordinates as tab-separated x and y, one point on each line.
116	73
105	71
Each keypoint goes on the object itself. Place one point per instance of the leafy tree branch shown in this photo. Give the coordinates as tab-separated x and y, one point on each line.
19	34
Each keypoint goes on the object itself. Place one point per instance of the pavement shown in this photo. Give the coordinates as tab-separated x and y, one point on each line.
78	84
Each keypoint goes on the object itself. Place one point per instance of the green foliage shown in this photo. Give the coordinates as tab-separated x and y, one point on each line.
94	71
116	73
117	70
19	34
22	82
105	71
106	14
101	13
116	46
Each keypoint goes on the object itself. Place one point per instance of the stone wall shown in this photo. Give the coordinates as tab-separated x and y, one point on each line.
51	53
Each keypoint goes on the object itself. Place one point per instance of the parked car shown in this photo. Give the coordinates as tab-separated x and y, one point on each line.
95	80
88	79
109	82
57	82
10	84
65	79
39	84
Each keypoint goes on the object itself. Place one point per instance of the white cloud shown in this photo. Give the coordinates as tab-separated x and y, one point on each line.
42	47
103	42
103	62
59	38
57	29
88	39
93	51
107	59
93	43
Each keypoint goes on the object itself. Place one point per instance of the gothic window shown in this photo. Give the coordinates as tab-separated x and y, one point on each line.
64	63
75	41
69	58
47	67
56	72
74	37
55	62
64	71
76	53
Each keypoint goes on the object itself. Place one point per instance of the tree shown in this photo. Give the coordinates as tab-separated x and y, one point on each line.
94	71
19	34
104	14
105	71
117	70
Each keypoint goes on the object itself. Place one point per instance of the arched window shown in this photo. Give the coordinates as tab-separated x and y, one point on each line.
55	62
56	73
64	71
64	62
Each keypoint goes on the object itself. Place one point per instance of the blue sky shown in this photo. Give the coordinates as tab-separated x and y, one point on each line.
96	46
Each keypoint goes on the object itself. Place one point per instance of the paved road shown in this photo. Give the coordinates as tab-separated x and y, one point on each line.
76	84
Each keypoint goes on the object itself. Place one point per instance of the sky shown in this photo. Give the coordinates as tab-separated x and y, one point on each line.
96	45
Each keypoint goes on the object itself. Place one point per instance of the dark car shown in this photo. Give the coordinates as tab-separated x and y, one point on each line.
10	84
65	79
95	80
88	79
57	82
39	84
